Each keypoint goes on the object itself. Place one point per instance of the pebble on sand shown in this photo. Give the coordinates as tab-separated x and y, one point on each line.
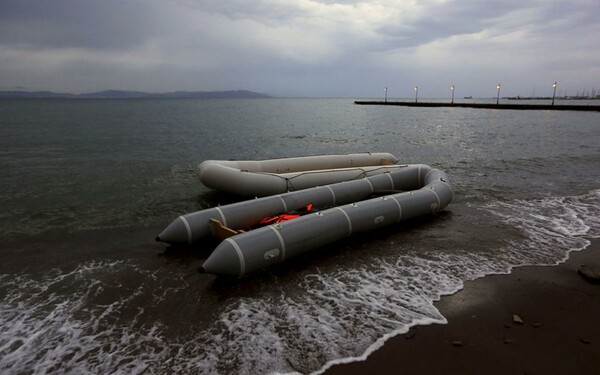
517	319
591	274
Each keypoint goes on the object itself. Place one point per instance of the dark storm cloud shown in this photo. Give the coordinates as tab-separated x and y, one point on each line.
76	23
444	20
296	47
257	10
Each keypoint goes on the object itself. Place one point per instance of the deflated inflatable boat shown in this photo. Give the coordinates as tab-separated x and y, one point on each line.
267	177
412	190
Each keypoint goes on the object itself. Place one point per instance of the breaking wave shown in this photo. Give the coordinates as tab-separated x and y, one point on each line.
102	316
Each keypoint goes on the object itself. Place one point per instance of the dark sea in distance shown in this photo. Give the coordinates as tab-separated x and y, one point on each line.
86	185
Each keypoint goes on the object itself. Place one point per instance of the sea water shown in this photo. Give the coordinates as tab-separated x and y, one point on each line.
87	184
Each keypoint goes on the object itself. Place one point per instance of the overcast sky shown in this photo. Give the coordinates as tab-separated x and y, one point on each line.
348	48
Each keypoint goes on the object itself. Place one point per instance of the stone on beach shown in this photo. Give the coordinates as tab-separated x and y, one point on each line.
591	274
517	319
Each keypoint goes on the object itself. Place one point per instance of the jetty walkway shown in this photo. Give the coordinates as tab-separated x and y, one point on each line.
560	107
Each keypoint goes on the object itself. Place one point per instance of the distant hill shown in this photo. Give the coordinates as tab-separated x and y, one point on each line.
117	94
34	94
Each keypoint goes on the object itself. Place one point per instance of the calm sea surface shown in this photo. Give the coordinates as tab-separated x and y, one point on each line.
86	185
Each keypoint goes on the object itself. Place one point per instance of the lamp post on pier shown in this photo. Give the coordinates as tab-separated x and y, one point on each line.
452	88
385	90
498	94
416	93
554	93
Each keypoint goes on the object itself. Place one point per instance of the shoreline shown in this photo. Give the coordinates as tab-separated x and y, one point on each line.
559	333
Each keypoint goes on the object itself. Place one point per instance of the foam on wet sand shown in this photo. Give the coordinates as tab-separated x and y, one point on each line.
560	333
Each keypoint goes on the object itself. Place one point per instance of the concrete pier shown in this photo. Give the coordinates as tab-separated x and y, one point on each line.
561	107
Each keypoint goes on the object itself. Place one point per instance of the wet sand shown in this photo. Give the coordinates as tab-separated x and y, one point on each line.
559	333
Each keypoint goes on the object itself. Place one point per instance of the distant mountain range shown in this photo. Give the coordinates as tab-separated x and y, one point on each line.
117	94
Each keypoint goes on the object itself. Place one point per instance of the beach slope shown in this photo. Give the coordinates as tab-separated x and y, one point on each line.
537	320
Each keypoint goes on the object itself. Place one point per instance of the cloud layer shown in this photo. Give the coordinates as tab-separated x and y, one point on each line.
301	47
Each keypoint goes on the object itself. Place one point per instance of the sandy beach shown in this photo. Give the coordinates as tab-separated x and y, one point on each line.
559	332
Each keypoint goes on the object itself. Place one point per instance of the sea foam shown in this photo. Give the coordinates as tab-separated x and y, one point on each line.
92	319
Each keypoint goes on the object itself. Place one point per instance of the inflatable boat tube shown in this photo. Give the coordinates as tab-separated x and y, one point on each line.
248	252
194	226
276	176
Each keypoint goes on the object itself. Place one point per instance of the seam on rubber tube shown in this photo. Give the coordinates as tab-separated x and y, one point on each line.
237	249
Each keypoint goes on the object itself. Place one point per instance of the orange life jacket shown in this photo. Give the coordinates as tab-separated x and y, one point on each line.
278	219
285	216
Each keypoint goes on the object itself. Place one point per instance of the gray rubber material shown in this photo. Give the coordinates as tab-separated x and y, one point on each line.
260	248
